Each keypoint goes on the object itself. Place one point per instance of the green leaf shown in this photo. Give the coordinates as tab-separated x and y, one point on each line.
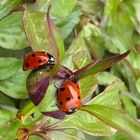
94	7
42	34
15	86
134	59
128	105
80	58
9	131
6	116
80	135
110	96
62	136
73	54
138	84
86	122
7	64
88	89
33	23
67	23
26	110
111	7
6	6
125	71
4	100
64	6
35	138
106	78
132	97
94	40
48	103
12	35
116	136
115	118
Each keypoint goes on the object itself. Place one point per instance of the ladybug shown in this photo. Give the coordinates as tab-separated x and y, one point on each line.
36	59
69	97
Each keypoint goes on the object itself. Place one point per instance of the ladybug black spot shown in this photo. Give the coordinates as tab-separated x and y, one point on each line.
68	98
62	89
79	97
33	55
61	103
42	52
39	61
27	64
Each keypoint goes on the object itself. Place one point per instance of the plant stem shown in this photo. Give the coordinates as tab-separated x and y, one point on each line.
26	111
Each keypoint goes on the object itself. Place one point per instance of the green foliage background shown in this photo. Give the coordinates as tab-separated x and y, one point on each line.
88	29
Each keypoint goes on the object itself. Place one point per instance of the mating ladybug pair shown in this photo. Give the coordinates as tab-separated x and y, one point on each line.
68	94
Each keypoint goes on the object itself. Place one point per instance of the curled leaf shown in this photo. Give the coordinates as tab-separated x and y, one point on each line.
37	84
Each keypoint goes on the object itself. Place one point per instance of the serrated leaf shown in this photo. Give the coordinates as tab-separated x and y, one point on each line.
12	35
7	64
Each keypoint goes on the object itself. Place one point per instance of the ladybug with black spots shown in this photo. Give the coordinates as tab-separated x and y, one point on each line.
69	97
36	59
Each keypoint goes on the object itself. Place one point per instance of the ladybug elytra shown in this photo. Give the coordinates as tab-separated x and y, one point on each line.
69	97
36	59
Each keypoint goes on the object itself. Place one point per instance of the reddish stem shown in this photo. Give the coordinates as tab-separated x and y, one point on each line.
49	22
82	70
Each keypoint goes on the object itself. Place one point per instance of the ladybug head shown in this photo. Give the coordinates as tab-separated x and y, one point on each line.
51	59
72	110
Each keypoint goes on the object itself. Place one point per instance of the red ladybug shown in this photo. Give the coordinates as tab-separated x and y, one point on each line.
69	97
36	59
